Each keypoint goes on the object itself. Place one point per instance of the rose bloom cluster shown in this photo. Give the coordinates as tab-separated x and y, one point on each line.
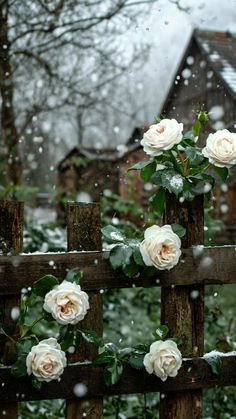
220	147
67	305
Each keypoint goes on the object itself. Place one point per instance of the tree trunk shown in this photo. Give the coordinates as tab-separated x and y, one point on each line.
12	168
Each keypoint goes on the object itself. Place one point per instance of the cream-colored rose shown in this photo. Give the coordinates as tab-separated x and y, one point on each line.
164	359
160	247
46	361
220	148
162	136
66	303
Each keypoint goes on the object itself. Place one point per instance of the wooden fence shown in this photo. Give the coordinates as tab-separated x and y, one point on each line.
183	314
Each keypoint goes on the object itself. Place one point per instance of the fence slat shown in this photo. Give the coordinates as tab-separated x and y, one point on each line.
21	271
184	314
11	240
194	374
84	233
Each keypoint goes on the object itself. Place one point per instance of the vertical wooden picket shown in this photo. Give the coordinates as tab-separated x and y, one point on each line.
84	233
11	241
182	311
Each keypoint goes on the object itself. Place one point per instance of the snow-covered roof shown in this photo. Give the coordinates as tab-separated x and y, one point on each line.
220	51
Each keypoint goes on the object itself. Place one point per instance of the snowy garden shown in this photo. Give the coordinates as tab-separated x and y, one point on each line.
117	260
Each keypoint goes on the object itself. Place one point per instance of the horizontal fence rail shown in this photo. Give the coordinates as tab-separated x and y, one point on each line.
215	265
194	374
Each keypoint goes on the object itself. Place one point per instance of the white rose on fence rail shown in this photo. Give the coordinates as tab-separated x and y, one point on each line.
162	136
160	247
164	359
67	303
46	361
220	148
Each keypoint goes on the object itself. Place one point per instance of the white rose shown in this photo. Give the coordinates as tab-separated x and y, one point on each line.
164	359
160	247
162	136
220	148
66	303
46	361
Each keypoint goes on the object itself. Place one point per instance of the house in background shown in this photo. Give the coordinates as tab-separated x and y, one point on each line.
87	174
207	75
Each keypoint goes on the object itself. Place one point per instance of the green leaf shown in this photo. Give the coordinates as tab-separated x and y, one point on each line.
214	362
137	361
112	348
37	384
172	181
125	352
92	337
103	358
131	269
74	275
112	234
161	332
113	372
141	165
157	200
19	368
223	172
24	346
44	285
156	178
120	256
68	340
194	155
147	171
178	229
176	165
188	194
137	255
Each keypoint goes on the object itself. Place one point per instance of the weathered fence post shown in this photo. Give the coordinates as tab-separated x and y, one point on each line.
84	233
11	241
183	310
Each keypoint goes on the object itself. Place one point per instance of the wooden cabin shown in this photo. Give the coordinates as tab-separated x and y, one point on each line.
207	75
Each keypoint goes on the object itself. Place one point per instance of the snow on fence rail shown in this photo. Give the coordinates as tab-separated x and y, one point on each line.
183	314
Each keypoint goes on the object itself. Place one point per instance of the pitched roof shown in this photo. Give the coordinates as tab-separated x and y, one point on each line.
219	49
108	154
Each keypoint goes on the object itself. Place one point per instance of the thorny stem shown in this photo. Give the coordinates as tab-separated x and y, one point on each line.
8	337
183	163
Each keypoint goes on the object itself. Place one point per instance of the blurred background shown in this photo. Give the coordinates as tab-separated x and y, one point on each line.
87	73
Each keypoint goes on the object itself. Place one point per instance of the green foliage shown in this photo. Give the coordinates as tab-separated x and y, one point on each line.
157	200
74	275
44	285
178	229
44	237
17	193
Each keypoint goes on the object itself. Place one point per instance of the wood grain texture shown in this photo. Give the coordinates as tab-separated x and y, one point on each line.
84	233
183	314
210	265
11	241
194	374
